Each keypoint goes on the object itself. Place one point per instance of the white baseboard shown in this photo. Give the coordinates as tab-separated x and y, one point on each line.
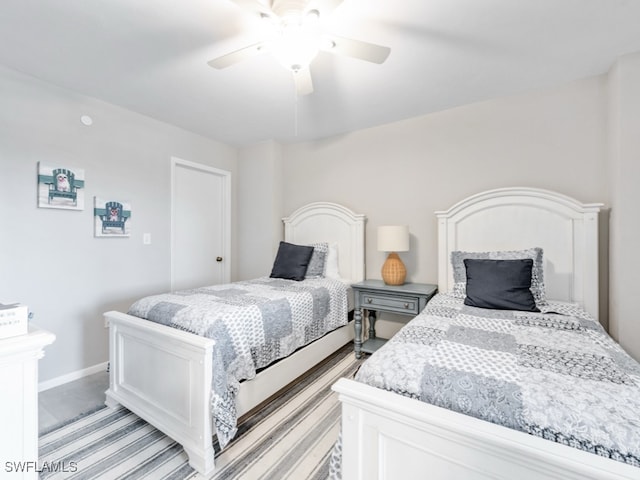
70	377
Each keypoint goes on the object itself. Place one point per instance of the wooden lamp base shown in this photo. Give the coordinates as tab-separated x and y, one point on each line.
393	270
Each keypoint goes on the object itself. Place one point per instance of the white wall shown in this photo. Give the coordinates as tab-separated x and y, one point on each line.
402	172
49	258
260	208
624	103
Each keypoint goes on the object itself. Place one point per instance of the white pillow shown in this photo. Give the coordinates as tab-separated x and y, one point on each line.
332	270
316	266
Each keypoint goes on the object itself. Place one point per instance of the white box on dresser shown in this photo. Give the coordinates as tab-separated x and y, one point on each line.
19	357
14	320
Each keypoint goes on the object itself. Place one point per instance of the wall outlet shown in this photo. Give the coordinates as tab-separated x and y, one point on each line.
146	238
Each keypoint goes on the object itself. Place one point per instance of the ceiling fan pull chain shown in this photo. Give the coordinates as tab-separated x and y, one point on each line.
295	112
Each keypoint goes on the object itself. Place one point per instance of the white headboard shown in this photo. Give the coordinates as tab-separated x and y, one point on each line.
519	218
330	222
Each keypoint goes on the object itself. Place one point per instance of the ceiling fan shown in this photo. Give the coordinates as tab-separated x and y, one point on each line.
297	38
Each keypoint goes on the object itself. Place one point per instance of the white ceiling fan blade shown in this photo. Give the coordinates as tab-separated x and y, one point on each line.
255	7
304	84
355	48
239	55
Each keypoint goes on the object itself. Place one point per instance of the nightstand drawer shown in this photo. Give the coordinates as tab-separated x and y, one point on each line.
393	303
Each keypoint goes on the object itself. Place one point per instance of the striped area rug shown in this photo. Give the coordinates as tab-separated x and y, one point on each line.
291	437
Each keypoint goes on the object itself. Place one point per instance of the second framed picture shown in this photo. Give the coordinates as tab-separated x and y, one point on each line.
112	218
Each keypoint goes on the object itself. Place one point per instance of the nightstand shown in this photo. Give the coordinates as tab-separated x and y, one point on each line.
376	296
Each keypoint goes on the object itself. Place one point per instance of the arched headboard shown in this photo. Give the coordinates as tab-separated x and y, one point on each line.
331	223
520	218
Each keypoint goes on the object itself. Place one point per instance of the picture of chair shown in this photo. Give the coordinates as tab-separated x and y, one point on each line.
63	185
60	187
112	218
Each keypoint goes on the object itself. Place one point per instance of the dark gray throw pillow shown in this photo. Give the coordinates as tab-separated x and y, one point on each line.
291	261
500	284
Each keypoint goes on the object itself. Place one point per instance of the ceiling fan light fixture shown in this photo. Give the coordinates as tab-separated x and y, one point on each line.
297	32
295	45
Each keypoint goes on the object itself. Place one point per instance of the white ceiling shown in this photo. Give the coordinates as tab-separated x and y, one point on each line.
150	56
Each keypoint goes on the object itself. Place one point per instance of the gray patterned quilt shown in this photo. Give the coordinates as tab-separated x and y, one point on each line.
556	376
254	323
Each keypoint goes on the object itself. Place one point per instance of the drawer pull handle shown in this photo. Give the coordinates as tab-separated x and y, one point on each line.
406	305
369	300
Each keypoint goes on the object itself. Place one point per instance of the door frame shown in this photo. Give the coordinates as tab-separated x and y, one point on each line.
225	177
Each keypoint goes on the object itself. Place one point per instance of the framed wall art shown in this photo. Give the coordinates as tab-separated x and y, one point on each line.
60	187
112	218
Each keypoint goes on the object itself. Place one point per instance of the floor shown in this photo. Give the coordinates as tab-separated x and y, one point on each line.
60	404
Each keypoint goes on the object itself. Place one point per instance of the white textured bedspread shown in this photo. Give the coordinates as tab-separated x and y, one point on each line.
556	376
560	377
254	323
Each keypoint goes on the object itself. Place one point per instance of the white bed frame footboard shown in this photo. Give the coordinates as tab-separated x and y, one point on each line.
388	437
164	375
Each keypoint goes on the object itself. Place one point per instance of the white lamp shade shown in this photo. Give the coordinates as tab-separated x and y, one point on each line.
393	238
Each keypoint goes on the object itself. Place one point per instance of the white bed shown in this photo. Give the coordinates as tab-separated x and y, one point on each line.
389	436
163	374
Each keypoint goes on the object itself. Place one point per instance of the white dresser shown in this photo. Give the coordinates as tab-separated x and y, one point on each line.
19	357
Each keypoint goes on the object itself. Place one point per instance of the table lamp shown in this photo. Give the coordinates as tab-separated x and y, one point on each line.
393	239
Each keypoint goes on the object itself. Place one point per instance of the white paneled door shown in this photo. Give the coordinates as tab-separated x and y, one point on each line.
200	225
